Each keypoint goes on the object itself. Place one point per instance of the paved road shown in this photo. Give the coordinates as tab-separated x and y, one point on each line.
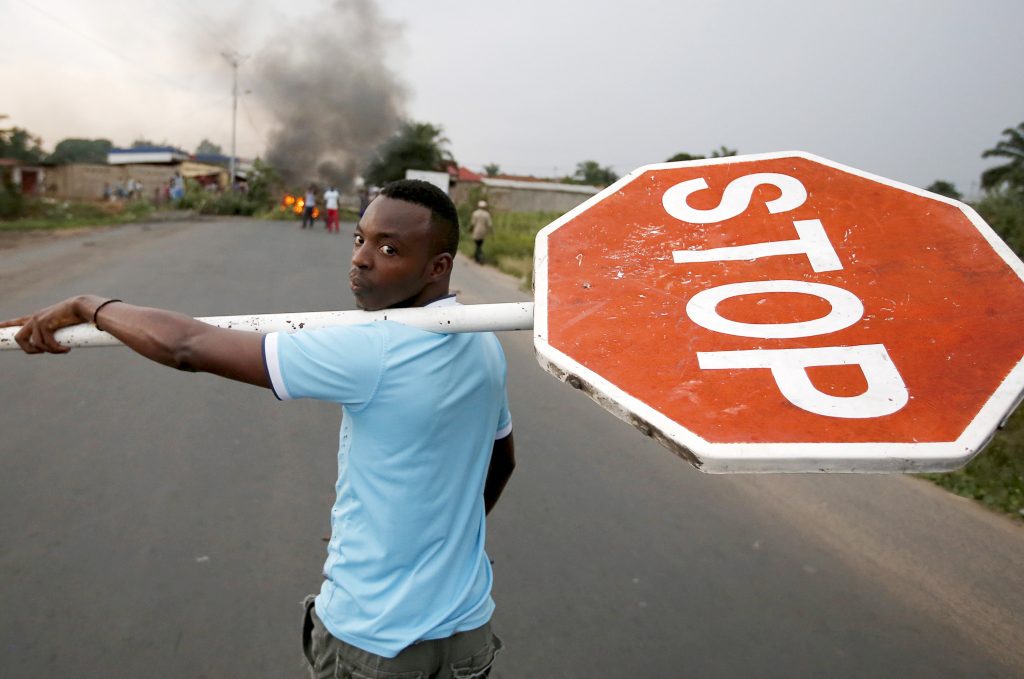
166	525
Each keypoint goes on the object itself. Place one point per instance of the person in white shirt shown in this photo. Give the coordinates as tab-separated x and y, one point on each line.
331	198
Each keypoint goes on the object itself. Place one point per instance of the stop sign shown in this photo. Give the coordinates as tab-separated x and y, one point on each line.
782	312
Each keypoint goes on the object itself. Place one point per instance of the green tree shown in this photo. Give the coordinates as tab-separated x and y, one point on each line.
12	204
591	172
416	146
264	185
492	169
20	144
682	156
80	151
1010	174
721	152
208	148
944	188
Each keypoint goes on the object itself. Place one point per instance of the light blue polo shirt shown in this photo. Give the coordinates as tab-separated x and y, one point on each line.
420	413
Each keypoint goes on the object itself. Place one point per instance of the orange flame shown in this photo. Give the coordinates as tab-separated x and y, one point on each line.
296	205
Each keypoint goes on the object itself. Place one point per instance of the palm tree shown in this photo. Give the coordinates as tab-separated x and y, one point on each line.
1011	173
416	146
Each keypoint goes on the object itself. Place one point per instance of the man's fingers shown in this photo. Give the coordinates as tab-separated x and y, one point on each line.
52	345
37	340
24	340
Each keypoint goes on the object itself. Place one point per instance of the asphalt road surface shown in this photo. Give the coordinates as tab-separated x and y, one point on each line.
161	524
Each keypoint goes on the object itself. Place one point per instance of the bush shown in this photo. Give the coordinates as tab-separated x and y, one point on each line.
198	198
49	213
12	205
229	203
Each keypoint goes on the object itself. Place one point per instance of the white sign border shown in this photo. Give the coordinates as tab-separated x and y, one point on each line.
775	457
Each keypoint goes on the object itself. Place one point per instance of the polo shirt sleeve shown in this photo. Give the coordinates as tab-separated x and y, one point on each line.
342	365
504	418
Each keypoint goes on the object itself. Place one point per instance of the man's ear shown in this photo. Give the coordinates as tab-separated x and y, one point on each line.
441	266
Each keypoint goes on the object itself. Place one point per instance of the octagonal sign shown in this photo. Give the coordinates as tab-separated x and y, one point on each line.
782	312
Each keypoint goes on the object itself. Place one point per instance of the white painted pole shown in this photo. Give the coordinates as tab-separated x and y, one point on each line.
446	319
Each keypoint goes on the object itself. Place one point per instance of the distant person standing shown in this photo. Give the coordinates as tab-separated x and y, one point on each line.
482	228
331	198
308	206
177	187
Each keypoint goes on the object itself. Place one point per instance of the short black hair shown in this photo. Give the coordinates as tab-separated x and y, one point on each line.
443	215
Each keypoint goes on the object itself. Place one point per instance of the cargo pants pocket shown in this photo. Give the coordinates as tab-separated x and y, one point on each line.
478	665
314	638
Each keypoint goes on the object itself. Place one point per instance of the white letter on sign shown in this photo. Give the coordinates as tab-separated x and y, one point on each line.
735	198
846	310
812	242
885	394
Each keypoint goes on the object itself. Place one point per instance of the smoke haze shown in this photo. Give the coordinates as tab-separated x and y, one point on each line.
326	82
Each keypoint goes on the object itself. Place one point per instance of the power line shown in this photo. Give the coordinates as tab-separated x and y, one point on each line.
199	20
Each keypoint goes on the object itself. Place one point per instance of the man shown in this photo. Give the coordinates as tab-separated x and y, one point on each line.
425	445
309	207
481	223
331	198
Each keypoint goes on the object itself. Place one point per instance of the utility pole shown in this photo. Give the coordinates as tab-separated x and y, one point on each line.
233	58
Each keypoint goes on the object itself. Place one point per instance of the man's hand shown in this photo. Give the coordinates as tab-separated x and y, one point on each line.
36	335
166	337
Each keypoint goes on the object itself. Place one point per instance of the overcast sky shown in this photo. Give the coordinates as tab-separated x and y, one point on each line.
909	89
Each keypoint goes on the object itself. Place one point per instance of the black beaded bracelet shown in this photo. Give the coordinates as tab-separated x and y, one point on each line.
94	314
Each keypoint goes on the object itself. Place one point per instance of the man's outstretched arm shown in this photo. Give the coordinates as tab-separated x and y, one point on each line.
503	462
166	337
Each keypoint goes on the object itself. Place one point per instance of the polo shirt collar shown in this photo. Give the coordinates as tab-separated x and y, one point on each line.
447	300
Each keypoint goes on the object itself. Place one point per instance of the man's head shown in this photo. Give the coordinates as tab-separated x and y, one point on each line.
404	246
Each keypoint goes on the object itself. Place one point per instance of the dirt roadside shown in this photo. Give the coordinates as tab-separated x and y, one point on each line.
13	240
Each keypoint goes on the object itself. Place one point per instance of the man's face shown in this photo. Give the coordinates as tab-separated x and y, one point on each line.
391	256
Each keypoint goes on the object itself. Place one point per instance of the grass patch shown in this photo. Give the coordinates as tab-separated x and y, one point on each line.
520	267
50	214
996	476
280	213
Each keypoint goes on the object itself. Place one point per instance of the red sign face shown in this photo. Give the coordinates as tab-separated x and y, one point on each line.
785	313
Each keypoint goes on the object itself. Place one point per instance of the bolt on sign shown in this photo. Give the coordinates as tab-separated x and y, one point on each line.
782	312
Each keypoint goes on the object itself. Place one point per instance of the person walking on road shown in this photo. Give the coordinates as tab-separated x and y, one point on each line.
482	228
309	207
425	446
331	199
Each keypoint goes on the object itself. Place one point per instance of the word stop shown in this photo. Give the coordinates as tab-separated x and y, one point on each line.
886	392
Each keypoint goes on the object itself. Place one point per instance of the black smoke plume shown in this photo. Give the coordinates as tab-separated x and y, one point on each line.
327	83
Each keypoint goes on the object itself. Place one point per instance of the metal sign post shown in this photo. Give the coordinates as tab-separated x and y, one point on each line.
454	318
